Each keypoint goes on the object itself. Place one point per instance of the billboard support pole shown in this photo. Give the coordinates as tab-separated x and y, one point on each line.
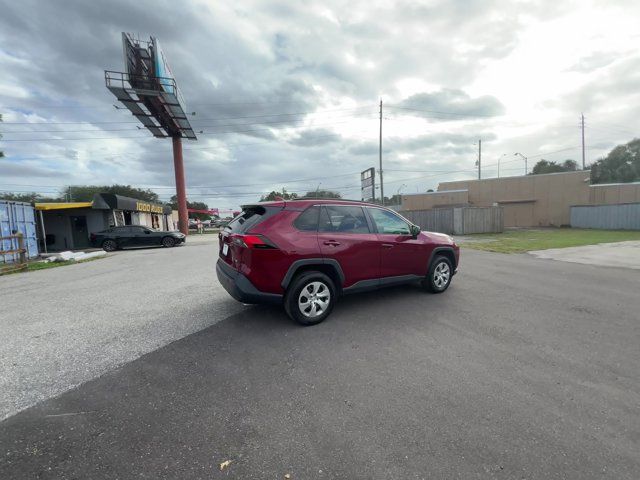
181	193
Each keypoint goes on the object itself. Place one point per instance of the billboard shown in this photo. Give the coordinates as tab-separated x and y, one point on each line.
163	73
148	88
136	62
130	55
368	184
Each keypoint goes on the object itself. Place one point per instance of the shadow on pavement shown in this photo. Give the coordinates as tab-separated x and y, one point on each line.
255	388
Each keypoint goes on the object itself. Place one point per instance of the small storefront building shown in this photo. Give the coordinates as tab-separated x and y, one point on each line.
68	225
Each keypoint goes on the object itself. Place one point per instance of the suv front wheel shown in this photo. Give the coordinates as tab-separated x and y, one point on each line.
439	276
310	298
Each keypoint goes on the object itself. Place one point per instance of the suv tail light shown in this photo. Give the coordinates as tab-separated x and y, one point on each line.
253	241
92	237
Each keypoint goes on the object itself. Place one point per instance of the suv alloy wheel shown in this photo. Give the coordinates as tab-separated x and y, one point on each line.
310	298
439	276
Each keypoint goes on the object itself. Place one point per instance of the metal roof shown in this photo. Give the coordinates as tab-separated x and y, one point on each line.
62	205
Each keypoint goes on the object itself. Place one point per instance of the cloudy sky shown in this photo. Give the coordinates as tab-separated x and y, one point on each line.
286	93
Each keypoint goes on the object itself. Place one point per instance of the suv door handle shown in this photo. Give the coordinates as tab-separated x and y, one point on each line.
332	243
387	245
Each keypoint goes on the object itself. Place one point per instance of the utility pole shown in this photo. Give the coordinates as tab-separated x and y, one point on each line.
380	154
583	162
479	159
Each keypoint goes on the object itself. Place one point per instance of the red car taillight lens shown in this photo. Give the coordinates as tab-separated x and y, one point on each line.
252	241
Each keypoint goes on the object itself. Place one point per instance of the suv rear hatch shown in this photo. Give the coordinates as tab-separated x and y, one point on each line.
235	238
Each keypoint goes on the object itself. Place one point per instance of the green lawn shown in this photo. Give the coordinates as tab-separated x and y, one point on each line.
519	241
32	266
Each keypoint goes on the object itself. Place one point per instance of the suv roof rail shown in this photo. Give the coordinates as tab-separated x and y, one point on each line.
333	200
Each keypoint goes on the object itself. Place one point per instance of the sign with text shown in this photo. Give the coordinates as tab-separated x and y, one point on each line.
368	184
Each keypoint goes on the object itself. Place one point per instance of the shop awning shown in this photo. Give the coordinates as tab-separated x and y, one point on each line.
111	201
62	205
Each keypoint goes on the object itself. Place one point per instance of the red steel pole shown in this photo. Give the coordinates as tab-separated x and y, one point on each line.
181	190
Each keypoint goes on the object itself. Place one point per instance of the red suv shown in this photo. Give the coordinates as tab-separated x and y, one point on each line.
306	253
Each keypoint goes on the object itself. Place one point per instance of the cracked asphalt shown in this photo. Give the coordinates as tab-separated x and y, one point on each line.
524	369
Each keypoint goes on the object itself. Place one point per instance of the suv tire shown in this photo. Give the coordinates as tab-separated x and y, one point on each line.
439	276
310	298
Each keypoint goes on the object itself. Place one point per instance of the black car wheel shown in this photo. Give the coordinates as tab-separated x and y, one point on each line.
168	242
439	276
109	245
310	298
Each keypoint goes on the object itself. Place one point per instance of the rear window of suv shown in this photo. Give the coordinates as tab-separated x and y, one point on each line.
307	221
250	217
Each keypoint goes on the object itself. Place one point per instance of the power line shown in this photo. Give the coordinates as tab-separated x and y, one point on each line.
202	186
260	130
219	147
555	151
277	122
468	115
197	119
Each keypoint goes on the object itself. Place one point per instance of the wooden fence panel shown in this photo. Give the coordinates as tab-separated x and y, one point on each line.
15	249
458	220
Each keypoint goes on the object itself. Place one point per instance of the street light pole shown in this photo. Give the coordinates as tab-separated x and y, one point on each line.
526	170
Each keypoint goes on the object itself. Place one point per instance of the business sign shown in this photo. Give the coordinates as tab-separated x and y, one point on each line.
148	207
368	184
118	202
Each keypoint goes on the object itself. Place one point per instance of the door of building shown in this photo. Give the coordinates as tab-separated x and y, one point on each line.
79	232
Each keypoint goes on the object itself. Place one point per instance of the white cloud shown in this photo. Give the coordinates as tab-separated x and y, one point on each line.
517	74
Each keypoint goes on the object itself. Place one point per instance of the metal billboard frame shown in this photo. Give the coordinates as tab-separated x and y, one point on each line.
155	101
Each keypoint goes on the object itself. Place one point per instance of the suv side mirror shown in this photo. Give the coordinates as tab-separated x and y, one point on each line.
415	230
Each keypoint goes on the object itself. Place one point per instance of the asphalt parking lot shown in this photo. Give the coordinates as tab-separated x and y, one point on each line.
526	368
63	326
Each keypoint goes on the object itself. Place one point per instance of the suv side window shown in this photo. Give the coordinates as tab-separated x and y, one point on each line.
389	223
307	221
343	219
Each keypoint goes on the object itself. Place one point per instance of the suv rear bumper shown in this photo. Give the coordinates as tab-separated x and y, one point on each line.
240	288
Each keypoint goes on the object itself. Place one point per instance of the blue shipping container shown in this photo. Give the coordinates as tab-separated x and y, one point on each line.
18	217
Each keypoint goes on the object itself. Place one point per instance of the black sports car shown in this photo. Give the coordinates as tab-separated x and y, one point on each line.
135	236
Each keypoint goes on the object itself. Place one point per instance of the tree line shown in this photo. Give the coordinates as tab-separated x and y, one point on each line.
621	165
